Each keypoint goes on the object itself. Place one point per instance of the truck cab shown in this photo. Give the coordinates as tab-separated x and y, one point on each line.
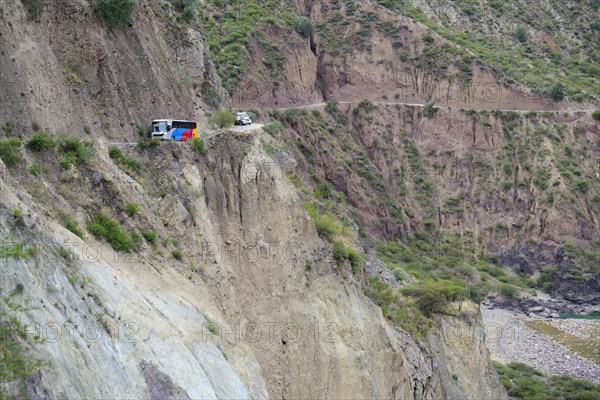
242	119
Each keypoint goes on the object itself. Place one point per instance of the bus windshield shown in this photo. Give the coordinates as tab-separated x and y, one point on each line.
160	126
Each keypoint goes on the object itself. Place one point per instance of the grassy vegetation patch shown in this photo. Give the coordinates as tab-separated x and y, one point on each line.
71	224
124	160
397	308
10	151
116	13
19	251
328	227
41	141
74	151
198	145
342	253
16	365
524	382
109	229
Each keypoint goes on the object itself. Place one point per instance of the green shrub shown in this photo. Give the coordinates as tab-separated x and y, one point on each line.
9	151
428	39
292	116
74	150
148	143
19	251
8	128
339	252
273	127
176	254
104	227
508	290
557	92
355	260
222	119
71	224
187	8
18	216
325	229
433	297
68	160
542	176
64	252
213	327
198	145
123	159
521	33
150	236
116	13
596	115
35	169
331	107
400	310
145	132
16	364
304	26
429	109
582	186
35	126
365	105
131	209
136	239
41	141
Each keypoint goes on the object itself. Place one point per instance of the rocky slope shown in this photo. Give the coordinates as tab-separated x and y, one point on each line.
226	291
517	190
363	50
510	339
249	322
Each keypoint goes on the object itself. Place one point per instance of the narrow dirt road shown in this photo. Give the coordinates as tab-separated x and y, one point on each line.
244	128
391	103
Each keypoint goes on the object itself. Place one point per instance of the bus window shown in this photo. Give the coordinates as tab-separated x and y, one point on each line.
184	124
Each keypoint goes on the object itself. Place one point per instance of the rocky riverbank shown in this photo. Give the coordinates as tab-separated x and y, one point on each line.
541	306
510	339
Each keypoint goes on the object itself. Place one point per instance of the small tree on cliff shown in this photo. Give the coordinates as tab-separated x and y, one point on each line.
303	26
116	13
222	119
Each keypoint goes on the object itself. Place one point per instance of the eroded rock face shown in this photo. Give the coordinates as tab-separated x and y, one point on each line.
68	71
459	348
375	57
246	326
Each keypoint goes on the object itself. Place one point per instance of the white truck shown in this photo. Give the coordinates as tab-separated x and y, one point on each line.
242	119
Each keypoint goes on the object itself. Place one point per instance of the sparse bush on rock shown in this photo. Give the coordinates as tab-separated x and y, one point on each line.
116	13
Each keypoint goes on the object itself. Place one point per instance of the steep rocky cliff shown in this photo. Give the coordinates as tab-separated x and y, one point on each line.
239	316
